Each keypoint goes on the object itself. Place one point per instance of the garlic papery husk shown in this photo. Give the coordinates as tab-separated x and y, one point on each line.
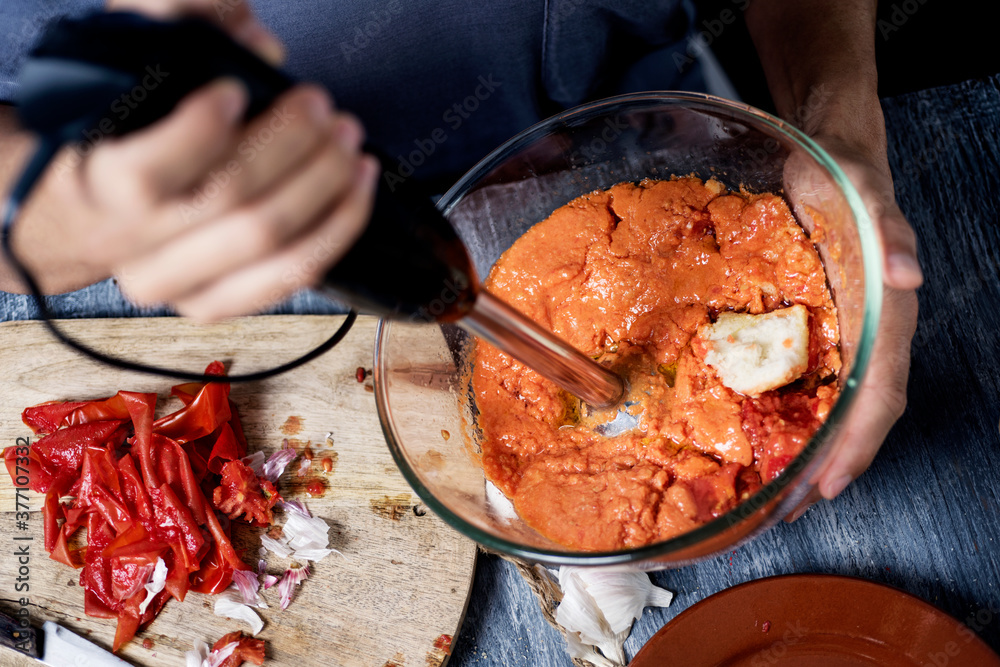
248	585
202	656
622	596
600	605
578	613
277	462
580	651
229	603
196	656
157	582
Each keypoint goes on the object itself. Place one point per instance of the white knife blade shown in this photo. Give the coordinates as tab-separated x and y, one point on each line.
62	648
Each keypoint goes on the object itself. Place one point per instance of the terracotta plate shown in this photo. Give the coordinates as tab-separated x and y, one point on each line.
815	620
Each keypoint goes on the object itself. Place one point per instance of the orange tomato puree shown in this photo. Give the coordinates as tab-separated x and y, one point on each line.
628	275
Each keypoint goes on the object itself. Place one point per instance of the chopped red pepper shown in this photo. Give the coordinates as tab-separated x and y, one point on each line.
140	487
207	412
226	448
48	417
248	649
242	493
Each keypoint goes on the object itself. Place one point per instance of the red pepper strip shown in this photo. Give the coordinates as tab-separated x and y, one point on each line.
225	546
62	452
140	408
174	521
165	455
197	453
40	478
133	488
96	575
135	543
190	489
208	411
248	649
153	608
96	476
109	507
128	624
237	426
214	575
92	603
187	391
104	466
177	574
75	516
48	417
93	411
52	511
215	368
225	449
62	552
128	578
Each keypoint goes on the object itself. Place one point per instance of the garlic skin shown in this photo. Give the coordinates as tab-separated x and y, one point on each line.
229	603
599	606
202	656
157	582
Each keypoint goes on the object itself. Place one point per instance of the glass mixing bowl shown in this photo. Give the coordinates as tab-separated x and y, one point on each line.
422	380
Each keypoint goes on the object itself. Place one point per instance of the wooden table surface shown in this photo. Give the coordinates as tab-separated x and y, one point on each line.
926	516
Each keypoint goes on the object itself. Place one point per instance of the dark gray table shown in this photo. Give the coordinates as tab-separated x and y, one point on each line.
926	516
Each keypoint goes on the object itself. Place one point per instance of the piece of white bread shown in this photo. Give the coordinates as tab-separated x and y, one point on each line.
756	353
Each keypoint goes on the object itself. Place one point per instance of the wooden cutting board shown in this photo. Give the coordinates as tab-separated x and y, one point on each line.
405	576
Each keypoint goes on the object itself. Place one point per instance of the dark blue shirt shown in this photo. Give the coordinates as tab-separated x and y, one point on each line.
441	83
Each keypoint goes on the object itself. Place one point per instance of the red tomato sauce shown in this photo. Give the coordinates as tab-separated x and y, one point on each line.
628	275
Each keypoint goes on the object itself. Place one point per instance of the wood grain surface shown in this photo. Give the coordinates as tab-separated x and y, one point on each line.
404	577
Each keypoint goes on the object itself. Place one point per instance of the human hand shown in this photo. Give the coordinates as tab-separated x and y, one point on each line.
881	398
201	211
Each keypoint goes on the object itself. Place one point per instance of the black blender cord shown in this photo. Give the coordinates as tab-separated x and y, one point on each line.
47	149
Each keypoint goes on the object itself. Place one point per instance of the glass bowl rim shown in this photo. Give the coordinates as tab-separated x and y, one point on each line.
871	261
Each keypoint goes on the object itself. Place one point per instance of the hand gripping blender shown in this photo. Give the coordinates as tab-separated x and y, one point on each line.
83	82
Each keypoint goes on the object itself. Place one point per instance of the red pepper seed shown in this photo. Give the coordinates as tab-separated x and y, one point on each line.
360	374
327	464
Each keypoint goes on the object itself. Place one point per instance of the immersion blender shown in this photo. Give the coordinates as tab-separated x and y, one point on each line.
408	264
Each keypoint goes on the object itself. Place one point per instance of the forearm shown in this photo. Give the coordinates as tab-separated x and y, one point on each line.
37	239
819	60
14	147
